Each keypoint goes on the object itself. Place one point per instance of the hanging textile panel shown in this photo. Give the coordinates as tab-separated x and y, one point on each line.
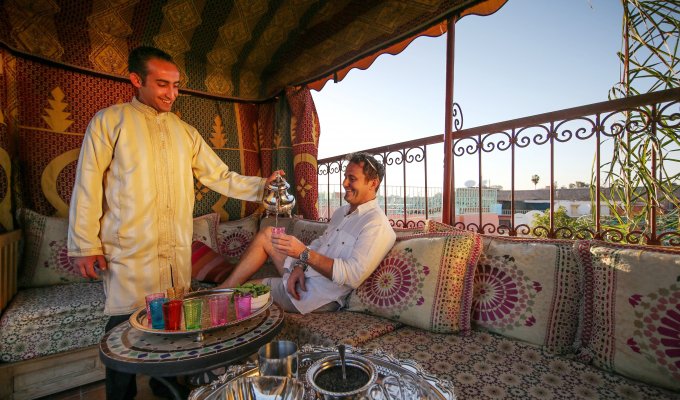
53	110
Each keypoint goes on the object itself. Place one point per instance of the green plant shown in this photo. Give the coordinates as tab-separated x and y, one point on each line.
254	289
649	57
565	225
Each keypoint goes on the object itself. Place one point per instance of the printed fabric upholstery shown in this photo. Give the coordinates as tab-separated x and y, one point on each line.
529	290
331	328
307	230
486	366
49	320
424	281
207	265
205	229
234	237
45	260
631	318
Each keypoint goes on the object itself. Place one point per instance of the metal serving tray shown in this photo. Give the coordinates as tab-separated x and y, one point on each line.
139	320
417	384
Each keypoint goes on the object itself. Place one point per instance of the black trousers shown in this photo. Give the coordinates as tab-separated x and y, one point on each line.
119	385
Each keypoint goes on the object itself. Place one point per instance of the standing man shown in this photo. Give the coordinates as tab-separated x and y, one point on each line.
319	277
133	199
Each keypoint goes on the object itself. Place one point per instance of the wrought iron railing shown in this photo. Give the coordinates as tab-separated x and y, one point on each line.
596	123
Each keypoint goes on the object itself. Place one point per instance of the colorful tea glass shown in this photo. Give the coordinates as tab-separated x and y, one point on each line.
149	298
156	310
172	312
219	305
242	305
193	313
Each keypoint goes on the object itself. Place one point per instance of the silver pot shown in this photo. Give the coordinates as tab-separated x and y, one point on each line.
277	200
351	360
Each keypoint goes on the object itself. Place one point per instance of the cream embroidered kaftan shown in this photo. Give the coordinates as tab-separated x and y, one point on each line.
134	197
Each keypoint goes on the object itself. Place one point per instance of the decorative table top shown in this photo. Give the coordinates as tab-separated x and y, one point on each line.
131	350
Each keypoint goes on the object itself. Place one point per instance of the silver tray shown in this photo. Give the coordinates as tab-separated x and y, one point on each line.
139	320
387	366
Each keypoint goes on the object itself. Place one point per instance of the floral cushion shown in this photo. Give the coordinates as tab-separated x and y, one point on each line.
49	320
331	328
307	230
529	290
205	229
45	259
485	366
631	318
207	265
234	237
424	281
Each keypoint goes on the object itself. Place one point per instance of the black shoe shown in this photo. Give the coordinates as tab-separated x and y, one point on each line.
159	389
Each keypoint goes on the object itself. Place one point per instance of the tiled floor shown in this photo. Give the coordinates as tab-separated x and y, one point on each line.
95	391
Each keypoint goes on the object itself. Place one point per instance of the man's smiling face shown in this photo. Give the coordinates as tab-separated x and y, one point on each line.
358	189
160	87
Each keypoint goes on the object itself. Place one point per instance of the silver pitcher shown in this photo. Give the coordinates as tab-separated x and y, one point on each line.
277	200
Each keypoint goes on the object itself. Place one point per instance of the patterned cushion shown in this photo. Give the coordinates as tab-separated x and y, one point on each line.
401	232
205	229
207	265
45	259
424	281
307	230
233	237
529	290
631	319
432	226
485	366
49	320
331	328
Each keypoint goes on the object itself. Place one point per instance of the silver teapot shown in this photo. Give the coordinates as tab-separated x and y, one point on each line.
277	200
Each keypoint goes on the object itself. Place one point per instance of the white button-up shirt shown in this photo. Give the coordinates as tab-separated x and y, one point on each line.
357	242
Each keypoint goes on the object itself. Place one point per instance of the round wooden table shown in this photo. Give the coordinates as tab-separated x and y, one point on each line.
130	350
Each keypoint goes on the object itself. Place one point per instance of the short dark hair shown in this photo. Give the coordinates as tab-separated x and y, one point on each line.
141	55
373	169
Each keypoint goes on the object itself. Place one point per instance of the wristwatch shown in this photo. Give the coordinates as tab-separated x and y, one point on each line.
304	256
301	265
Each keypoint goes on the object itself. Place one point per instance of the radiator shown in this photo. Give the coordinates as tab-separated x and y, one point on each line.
9	262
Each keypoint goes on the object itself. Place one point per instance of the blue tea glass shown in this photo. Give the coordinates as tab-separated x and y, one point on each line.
156	307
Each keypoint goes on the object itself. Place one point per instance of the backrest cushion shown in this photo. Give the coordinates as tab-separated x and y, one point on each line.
207	265
424	281
205	229
401	232
631	316
234	237
528	289
45	259
307	230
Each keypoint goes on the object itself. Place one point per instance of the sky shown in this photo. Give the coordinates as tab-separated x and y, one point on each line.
530	57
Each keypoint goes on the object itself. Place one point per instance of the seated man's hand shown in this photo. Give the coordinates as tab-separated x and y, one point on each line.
87	264
287	244
297	277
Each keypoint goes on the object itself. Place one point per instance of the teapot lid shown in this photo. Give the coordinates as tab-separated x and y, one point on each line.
278	183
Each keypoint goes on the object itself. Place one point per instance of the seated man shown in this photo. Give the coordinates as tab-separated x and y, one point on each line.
319	277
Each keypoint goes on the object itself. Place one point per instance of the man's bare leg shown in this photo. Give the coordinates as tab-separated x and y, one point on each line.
253	258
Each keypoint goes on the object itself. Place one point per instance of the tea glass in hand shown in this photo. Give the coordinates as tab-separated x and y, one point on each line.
278	358
278	229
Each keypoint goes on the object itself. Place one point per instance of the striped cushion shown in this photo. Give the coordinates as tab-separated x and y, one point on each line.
207	265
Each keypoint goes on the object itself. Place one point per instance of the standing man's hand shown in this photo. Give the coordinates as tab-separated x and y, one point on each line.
275	174
297	277
87	265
